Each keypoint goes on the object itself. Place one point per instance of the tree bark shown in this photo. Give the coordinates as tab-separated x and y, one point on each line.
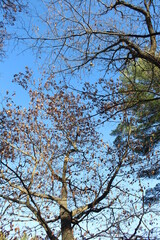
66	229
65	215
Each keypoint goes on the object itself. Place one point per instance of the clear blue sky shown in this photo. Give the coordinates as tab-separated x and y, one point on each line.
15	62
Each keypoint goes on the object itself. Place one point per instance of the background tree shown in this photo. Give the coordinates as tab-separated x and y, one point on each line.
141	90
58	175
133	100
141	98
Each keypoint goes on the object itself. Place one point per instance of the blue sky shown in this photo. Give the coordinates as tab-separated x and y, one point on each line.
14	62
17	58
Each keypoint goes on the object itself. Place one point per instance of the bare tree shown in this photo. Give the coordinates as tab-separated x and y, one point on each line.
56	172
84	33
57	176
114	34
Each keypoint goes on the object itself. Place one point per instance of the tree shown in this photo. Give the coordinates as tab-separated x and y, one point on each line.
133	101
87	34
84	33
8	10
57	173
140	89
140	93
77	35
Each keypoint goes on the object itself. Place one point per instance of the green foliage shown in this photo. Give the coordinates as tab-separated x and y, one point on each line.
140	89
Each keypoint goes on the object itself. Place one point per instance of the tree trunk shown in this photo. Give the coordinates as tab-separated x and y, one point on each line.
66	229
65	215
